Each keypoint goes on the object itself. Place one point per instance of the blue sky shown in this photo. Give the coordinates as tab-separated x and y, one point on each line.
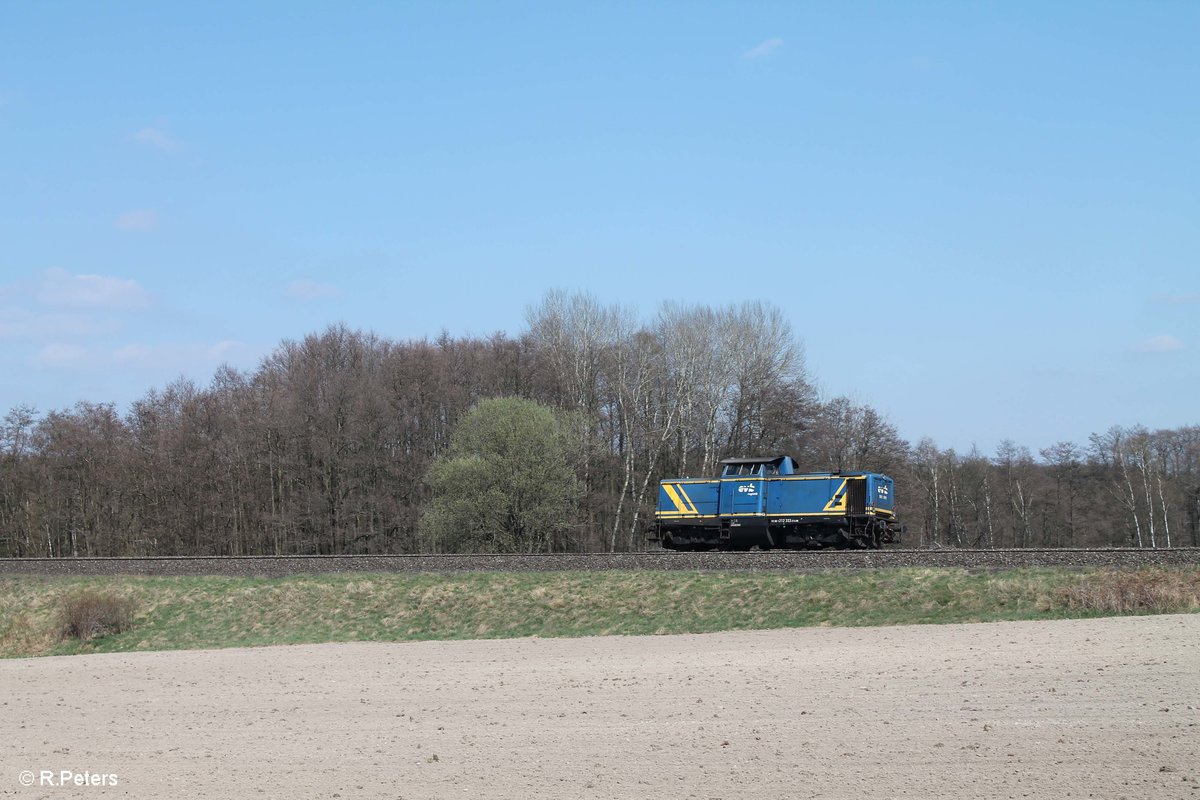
982	218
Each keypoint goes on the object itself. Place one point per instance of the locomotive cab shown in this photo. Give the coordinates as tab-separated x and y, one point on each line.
738	467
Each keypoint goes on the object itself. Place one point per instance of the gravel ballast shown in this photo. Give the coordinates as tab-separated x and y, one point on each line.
787	561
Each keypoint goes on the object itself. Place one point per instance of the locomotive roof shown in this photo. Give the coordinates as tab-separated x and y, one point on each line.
761	460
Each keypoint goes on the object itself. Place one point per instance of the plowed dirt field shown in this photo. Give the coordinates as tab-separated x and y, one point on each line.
1104	708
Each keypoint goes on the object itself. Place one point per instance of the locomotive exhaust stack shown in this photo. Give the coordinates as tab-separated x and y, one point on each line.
766	503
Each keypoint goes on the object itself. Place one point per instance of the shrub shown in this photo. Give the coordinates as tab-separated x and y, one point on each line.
90	613
1148	590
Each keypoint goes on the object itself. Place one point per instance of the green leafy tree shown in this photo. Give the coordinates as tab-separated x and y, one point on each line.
506	484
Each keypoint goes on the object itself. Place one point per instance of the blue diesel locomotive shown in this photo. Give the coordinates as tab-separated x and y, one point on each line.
766	503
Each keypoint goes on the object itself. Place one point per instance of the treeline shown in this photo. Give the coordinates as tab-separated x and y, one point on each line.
1128	487
326	447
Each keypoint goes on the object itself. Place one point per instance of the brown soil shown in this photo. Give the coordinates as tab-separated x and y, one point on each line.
1085	708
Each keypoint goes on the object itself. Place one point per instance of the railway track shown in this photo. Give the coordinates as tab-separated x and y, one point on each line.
779	561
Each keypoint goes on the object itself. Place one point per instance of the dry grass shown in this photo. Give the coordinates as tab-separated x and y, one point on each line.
207	612
1151	590
89	614
21	634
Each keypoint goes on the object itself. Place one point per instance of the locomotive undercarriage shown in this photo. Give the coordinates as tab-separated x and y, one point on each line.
837	533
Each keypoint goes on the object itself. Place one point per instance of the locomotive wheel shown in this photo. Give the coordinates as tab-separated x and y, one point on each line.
873	537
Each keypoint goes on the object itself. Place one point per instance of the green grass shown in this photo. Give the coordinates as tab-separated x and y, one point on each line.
210	612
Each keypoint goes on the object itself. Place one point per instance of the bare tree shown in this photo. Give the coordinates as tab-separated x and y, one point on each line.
1065	462
1016	467
574	334
18	489
1111	450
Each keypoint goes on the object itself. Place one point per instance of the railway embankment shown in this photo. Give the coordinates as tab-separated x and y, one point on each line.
66	614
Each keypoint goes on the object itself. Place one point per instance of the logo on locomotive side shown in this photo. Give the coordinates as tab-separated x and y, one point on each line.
883	491
748	488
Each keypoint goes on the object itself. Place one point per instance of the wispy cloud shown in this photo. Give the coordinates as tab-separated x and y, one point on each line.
1185	299
171	358
158	139
763	48
23	323
61	289
140	220
1159	344
61	356
180	356
311	290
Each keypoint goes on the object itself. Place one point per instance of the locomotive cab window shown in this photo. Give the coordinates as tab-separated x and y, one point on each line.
742	470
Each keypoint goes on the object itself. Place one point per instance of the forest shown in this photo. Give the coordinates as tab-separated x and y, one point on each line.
348	442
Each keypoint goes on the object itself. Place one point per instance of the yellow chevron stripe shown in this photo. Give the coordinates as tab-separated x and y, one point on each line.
838	501
687	499
673	497
681	505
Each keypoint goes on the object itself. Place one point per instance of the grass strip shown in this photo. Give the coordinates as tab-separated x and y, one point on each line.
212	612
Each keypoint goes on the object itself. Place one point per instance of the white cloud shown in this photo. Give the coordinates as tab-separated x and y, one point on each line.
158	139
1159	344
60	288
140	220
311	290
22	323
763	48
60	356
137	354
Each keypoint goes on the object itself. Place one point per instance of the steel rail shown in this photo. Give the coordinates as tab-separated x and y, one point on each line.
775	561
